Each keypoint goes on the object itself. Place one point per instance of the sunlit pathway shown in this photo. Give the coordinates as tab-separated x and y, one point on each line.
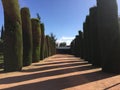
60	72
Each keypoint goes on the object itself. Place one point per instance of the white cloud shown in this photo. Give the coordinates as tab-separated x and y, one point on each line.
65	39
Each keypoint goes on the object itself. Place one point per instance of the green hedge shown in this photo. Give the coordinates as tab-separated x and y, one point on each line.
109	35
27	36
42	42
13	45
36	33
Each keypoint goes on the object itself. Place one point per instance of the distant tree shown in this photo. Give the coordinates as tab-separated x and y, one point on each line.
62	44
53	37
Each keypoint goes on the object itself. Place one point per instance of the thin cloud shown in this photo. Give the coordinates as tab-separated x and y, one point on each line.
65	39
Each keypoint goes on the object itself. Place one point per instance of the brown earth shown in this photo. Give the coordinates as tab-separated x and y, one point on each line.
60	72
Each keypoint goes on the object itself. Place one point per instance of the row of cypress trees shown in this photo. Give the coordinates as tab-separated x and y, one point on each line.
24	38
99	43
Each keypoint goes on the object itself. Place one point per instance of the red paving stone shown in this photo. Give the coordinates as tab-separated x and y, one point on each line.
60	72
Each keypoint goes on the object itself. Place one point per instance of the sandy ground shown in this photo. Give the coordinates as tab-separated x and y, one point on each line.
60	72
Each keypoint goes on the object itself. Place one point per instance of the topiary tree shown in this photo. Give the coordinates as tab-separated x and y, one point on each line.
72	47
36	33
2	33
48	45
53	43
87	39
119	22
95	48
42	42
109	35
80	43
27	36
46	48
13	49
77	46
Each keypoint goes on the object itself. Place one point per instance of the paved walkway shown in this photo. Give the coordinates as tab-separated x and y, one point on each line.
60	72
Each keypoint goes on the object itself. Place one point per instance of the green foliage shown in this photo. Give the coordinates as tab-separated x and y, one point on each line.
80	43
36	32
62	44
87	39
42	42
46	48
1	61
109	36
13	49
48	45
53	43
27	36
119	22
53	37
38	16
1	46
2	32
95	47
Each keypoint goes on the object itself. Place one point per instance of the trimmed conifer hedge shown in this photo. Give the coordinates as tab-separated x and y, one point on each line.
27	36
109	35
36	33
13	45
42	42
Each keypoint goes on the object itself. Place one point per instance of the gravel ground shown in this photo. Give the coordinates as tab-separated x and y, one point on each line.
60	72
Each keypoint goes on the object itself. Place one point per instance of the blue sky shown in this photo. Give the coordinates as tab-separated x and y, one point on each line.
62	17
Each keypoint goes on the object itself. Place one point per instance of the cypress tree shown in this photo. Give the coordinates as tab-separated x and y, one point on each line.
36	33
95	48
27	36
54	47
87	39
80	43
119	22
13	49
82	46
2	32
109	35
85	48
48	46
77	46
53	39
72	47
42	42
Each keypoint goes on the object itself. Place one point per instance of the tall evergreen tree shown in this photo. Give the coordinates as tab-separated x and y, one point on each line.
2	33
42	42
36	33
27	36
13	50
109	35
95	47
